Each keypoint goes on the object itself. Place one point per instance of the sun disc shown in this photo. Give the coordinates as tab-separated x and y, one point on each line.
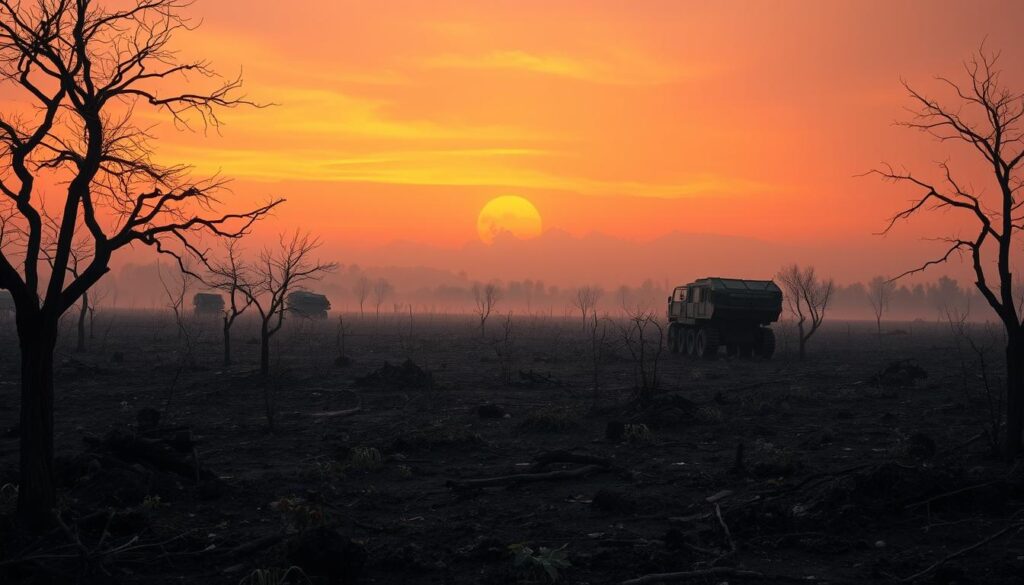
508	214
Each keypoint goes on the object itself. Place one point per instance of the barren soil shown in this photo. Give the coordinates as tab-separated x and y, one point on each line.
842	477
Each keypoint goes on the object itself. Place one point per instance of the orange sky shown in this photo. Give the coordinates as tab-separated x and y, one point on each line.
399	120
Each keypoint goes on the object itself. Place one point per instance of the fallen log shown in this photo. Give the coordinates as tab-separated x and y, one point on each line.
544	459
337	413
713	572
934	566
521	478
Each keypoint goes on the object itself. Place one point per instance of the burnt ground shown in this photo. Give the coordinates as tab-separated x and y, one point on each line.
746	471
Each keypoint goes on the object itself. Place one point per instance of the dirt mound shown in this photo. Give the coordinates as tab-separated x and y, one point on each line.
668	409
436	438
407	375
900	374
124	468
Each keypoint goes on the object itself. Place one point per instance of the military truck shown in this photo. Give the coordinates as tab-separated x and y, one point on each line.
308	304
714	312
207	304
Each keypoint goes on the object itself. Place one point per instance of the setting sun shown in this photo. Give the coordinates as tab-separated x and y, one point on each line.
511	214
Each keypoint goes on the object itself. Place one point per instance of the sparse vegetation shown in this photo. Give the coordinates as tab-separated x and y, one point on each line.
544	562
440	435
275	576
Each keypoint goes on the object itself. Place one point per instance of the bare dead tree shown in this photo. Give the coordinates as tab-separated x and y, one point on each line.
504	348
230	275
485	298
381	289
176	291
880	291
643	337
598	329
973	371
987	116
96	298
586	299
83	314
85	73
807	297
362	290
277	272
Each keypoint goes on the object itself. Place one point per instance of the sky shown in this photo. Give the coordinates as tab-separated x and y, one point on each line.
391	124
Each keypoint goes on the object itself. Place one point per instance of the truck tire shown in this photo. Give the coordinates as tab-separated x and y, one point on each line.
766	345
691	341
707	342
675	338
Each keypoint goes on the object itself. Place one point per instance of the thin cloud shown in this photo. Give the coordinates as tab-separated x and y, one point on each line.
492	167
615	68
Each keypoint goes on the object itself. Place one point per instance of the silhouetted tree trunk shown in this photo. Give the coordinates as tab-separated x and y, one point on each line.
1014	391
265	335
75	132
36	496
988	117
81	322
802	351
227	341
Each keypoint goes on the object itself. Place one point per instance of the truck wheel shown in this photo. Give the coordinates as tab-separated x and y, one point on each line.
691	342
707	342
767	343
675	338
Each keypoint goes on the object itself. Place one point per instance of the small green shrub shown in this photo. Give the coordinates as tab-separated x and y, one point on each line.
298	514
274	576
709	414
365	458
637	433
544	561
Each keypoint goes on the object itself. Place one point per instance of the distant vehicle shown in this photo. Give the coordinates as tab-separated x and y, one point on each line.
208	304
713	312
308	304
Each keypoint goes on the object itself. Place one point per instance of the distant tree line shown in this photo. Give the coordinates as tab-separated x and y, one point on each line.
374	291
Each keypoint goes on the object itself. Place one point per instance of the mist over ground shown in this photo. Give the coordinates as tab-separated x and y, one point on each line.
542	275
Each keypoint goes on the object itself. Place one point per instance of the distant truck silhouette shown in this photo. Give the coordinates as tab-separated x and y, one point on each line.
713	312
208	304
308	304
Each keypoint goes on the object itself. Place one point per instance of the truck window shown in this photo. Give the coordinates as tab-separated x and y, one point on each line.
680	295
696	295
